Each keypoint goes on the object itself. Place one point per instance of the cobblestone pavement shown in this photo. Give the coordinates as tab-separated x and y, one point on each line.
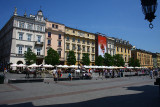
115	92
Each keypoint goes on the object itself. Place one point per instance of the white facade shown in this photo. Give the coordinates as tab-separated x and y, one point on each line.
23	33
110	46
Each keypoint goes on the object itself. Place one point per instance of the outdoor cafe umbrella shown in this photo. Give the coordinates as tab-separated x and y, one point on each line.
14	65
21	65
33	65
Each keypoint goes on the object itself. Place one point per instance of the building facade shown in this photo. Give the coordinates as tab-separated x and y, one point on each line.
123	48
158	60
154	58
110	46
21	33
55	38
80	42
144	57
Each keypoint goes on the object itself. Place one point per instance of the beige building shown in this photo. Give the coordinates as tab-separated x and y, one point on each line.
55	38
80	42
144	57
123	48
21	33
158	60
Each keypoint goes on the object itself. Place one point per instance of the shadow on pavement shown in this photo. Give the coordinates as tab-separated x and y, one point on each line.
148	98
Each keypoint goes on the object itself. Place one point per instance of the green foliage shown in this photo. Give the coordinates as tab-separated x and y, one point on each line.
52	57
118	60
85	59
30	57
137	63
71	59
134	63
99	61
131	62
108	59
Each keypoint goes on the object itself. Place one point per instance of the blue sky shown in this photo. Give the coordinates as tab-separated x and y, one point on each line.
115	18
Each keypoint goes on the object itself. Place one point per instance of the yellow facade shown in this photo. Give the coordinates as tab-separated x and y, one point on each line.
158	60
76	39
124	49
145	58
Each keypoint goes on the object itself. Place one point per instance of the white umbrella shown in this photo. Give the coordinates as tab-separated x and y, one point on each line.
14	65
21	65
59	66
73	66
65	66
33	65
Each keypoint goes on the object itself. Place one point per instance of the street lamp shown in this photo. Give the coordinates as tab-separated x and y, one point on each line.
149	8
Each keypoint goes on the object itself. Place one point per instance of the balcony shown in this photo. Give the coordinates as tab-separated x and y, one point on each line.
38	43
20	55
40	56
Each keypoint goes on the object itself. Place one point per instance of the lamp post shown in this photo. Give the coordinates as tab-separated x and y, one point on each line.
149	8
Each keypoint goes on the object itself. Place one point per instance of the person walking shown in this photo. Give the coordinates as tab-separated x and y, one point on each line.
151	73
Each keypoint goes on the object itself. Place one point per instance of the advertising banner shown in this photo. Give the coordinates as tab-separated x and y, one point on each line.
102	43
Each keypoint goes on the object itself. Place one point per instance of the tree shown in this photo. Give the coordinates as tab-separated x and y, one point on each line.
131	62
137	63
85	59
99	60
71	59
134	63
52	57
118	60
108	59
29	57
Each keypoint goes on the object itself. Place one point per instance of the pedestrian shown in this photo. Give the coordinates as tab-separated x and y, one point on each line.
70	76
27	72
151	74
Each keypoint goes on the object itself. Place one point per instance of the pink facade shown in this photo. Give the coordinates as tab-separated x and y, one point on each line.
55	38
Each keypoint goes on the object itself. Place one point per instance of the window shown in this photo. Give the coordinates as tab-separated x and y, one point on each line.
52	25
78	56
78	40
67	47
20	36
125	50
67	38
92	42
88	49
38	38
121	50
92	57
88	35
73	39
49	34
49	42
59	43
88	42
39	28
128	50
117	49
73	47
59	36
29	37
83	41
73	31
79	48
20	50
92	50
125	58
83	49
29	26
38	51
27	48
21	24
59	52
56	26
